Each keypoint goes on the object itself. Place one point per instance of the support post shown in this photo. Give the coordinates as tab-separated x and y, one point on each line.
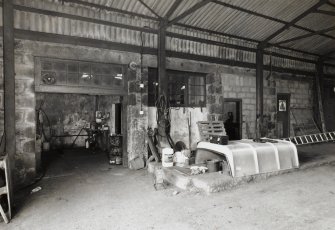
163	99
319	89
259	91
9	86
162	78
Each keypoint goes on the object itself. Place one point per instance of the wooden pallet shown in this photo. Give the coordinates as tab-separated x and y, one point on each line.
312	138
207	128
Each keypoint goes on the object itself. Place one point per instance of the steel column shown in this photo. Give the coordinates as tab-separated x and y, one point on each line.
161	59
259	90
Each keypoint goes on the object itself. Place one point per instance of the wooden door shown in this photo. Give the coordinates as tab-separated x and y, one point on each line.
283	115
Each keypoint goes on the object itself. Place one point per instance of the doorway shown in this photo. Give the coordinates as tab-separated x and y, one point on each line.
283	115
233	118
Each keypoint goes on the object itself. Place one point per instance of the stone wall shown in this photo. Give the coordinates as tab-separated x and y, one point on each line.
222	82
26	157
138	123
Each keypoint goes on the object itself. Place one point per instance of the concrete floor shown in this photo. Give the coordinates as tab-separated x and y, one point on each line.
81	191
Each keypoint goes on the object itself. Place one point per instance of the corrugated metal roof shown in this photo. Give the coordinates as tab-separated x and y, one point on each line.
285	10
290	33
316	21
231	21
314	44
222	19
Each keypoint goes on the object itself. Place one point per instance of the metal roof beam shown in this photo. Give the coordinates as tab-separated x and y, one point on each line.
189	11
330	4
295	20
331	13
82	18
172	9
319	32
149	8
111	9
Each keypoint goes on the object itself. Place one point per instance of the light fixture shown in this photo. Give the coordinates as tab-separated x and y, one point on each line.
183	87
85	75
119	76
141	85
141	112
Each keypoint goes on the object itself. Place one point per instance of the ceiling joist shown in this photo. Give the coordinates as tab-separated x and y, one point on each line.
172	9
149	8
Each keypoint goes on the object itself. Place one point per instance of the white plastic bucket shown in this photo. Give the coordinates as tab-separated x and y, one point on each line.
167	157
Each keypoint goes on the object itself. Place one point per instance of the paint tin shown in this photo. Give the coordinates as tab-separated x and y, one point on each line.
167	157
118	160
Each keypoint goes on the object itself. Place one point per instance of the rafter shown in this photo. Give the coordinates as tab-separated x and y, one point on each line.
306	35
331	13
330	4
189	11
172	9
149	8
295	20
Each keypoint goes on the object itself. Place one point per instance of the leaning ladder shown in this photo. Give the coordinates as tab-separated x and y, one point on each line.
312	138
5	191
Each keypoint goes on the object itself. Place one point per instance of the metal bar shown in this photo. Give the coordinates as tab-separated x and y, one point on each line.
108	8
172	9
66	39
197	39
259	91
9	89
81	18
149	8
191	10
331	13
201	58
319	32
289	57
216	32
295	20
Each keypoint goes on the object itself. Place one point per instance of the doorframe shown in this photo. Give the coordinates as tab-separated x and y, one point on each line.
239	100
288	108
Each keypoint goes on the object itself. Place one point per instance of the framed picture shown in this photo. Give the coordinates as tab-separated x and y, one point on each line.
282	106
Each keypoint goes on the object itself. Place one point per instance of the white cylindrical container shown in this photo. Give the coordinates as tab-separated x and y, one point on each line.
167	157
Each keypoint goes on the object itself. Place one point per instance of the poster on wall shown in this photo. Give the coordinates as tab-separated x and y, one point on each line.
282	105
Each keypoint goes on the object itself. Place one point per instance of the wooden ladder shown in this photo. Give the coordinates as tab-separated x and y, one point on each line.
312	138
5	190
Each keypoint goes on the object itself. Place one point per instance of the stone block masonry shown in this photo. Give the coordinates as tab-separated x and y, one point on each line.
221	82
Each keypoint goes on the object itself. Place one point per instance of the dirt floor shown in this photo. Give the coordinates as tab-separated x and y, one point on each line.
82	191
